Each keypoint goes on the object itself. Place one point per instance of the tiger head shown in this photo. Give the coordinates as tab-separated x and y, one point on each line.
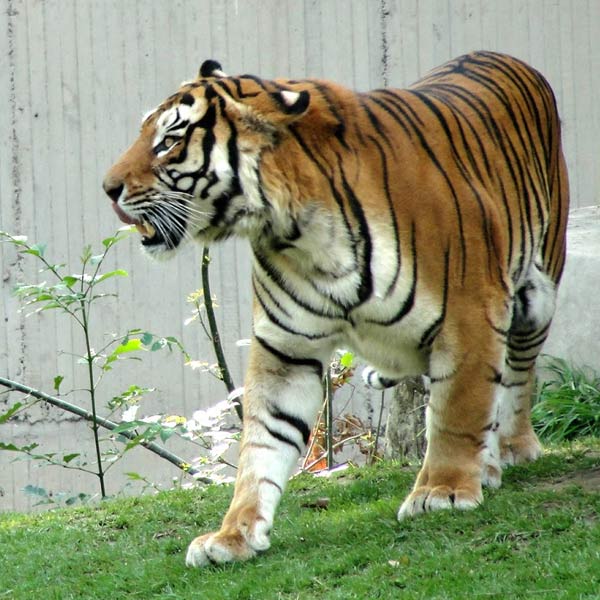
193	172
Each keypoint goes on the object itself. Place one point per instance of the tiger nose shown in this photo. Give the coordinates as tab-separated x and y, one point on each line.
113	188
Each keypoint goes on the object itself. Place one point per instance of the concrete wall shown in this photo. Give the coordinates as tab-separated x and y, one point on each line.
76	77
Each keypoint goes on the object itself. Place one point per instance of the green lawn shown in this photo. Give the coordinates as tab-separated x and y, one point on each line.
536	537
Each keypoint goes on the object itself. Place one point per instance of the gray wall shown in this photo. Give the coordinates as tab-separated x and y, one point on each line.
76	77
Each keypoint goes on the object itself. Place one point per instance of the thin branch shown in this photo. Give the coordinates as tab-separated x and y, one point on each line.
214	331
313	437
329	417
377	433
336	445
92	390
72	408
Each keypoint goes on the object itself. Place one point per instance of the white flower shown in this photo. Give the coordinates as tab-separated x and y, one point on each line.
129	414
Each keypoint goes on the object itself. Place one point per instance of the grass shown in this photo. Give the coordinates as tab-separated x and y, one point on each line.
568	402
536	537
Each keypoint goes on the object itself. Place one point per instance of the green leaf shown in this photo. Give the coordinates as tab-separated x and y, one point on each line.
36	250
33	490
52	305
87	254
4	417
158	345
128	426
70	280
67	458
121	234
14	448
55	267
147	338
347	359
119	272
131	345
134	476
17	240
57	381
166	433
94	260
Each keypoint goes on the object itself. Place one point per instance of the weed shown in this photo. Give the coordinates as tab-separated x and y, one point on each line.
568	403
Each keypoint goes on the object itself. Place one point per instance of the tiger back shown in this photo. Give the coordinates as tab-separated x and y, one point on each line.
422	228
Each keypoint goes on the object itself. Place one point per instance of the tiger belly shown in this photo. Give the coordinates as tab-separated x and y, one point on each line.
393	350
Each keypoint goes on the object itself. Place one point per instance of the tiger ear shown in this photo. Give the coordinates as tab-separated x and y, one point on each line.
292	103
211	68
266	111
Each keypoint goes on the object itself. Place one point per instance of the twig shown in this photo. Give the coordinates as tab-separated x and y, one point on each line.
374	452
329	418
313	438
336	445
72	408
214	331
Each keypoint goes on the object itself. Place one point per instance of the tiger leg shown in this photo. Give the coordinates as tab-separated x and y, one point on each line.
459	421
518	441
281	400
533	310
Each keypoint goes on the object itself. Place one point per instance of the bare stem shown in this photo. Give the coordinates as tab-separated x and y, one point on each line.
329	417
214	331
92	392
377	433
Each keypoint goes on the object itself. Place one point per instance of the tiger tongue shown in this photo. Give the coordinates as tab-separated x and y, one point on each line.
123	215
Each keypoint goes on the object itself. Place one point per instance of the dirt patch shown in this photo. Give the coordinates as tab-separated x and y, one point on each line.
587	479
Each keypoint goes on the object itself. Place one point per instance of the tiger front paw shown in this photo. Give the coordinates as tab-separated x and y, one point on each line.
216	548
427	498
242	541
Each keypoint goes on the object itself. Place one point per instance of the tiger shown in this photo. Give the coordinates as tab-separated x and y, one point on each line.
423	229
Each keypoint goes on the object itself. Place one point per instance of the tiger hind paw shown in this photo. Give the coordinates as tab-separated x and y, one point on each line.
439	497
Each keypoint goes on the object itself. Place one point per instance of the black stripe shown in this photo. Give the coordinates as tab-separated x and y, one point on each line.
384	104
256	280
271	482
514	384
277	278
432	331
388	196
442	378
375	121
310	363
517	338
275	320
366	280
280	437
408	303
295	422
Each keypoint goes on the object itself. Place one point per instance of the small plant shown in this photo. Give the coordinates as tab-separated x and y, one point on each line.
332	433
568	403
75	295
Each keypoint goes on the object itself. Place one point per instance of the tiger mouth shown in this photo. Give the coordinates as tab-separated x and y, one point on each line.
150	236
153	234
